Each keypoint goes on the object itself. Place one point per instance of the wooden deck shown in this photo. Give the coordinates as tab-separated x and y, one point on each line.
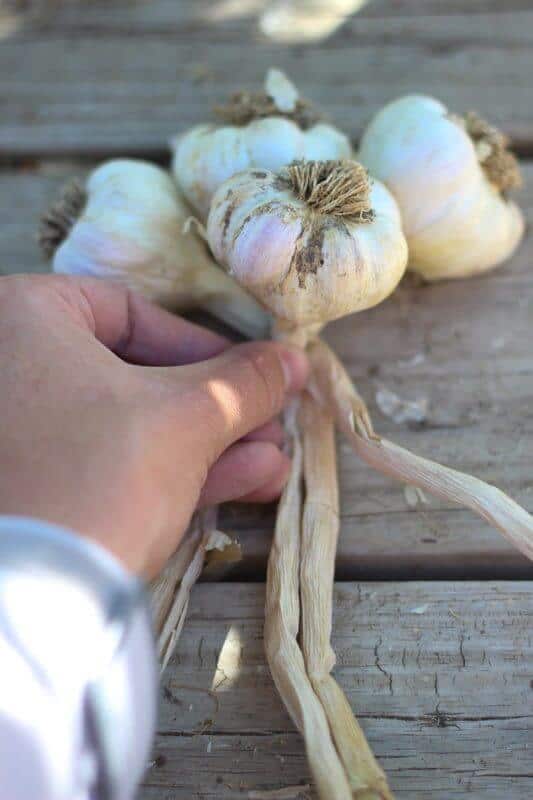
441	673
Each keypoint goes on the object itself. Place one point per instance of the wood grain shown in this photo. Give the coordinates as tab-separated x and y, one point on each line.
439	674
110	77
471	345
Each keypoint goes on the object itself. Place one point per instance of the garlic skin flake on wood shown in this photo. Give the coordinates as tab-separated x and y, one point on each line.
314	242
450	176
268	129
127	224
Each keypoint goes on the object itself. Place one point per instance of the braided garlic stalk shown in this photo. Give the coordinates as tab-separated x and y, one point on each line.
314	242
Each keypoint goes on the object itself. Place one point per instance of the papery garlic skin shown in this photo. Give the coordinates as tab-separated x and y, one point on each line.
305	266
131	231
207	155
457	223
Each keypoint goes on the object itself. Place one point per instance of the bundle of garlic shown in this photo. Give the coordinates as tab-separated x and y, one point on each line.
128	224
450	176
313	242
268	129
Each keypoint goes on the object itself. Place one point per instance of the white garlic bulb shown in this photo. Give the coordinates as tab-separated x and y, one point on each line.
450	177
314	242
128	225
268	129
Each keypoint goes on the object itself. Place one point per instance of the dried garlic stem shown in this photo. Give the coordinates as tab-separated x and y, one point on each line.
336	390
163	589
282	617
171	631
320	527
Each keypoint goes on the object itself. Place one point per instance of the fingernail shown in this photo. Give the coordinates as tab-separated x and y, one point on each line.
295	368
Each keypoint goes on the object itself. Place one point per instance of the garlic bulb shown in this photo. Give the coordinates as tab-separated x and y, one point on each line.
268	129
127	225
450	177
314	242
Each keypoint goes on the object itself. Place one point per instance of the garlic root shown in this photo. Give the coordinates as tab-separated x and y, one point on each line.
338	393
340	188
320	527
499	164
282	618
57	222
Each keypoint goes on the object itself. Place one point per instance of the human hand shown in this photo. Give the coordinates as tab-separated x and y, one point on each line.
118	419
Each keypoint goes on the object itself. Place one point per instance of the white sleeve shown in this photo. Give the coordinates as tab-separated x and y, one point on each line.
77	668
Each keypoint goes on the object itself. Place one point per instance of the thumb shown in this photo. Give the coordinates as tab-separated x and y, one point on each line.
241	389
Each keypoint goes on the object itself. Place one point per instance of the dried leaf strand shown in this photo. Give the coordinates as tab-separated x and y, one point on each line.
163	589
337	391
173	626
175	617
320	527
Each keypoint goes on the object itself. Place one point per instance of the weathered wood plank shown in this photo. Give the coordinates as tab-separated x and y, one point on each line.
439	673
465	347
229	767
121	86
167	17
141	16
